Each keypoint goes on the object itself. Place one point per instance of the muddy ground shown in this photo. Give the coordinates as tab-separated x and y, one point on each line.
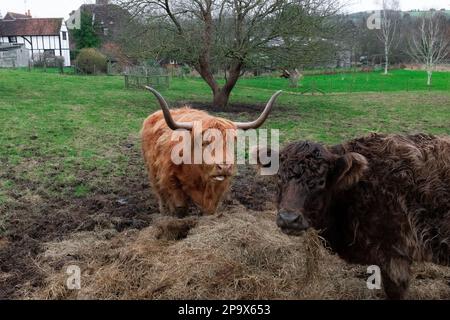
38	219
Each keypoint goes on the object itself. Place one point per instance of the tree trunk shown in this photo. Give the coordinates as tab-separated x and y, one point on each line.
221	97
294	78
222	94
430	75
386	66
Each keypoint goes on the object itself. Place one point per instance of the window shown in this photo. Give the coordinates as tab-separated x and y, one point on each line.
49	53
12	39
64	35
105	31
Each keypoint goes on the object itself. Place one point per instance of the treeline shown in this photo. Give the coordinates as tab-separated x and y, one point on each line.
367	47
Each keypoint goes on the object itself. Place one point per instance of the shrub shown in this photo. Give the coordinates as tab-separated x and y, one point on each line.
185	70
116	56
47	60
91	61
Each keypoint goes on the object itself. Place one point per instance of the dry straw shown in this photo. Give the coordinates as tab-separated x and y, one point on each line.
237	255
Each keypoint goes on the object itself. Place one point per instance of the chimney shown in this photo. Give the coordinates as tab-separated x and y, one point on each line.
28	13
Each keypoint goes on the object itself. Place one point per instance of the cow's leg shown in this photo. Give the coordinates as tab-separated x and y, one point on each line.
396	276
210	206
162	205
162	202
178	203
159	194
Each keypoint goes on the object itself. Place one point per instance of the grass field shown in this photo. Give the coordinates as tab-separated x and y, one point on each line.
68	143
397	80
79	122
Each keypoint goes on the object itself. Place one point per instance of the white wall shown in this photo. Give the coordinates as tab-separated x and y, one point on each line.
74	21
14	58
65	44
37	44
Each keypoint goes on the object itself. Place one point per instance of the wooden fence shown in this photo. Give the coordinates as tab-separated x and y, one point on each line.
138	81
140	76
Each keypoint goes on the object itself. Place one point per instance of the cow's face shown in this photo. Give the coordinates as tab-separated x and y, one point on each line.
308	177
213	144
218	165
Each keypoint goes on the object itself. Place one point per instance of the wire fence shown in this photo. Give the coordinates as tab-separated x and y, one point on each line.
140	76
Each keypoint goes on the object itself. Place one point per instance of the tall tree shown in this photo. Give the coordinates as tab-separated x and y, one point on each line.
314	42
213	35
389	25
430	43
86	36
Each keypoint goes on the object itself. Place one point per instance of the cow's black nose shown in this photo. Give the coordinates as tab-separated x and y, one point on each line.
292	221
288	217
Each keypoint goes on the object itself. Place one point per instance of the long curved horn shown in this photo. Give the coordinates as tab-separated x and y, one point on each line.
262	118
167	116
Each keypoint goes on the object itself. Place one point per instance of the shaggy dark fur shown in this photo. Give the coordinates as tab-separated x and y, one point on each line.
381	199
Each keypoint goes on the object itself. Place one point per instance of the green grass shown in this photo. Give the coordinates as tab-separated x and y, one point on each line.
66	134
398	80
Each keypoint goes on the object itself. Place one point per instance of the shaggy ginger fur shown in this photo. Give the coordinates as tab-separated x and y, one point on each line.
177	185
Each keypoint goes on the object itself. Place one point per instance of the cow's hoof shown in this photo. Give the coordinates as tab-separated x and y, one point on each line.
181	212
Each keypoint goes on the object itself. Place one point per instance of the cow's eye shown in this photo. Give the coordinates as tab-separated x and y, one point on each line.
316	184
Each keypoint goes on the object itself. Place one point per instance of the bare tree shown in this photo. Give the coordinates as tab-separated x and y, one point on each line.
294	76
317	42
389	25
214	35
429	44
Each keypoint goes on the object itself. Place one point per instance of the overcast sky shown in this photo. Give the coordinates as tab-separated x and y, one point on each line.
62	8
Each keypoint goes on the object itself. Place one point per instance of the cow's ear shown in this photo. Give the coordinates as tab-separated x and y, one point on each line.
349	169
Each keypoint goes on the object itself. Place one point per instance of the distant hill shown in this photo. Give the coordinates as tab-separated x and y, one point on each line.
412	13
418	13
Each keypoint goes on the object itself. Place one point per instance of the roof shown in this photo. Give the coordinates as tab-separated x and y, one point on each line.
31	27
106	13
13	16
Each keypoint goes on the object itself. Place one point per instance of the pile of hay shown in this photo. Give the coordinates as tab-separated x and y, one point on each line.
237	255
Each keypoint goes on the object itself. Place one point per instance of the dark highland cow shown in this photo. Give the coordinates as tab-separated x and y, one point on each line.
380	200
